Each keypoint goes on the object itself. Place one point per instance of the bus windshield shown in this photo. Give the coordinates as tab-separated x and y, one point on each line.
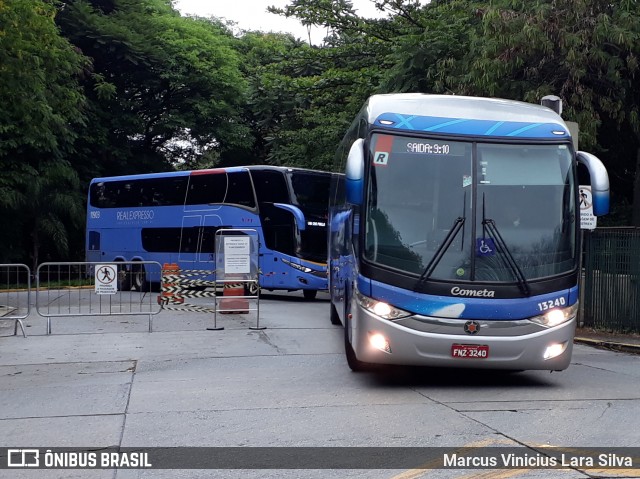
512	205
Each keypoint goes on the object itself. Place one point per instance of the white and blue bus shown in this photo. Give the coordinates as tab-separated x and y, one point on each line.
173	218
454	237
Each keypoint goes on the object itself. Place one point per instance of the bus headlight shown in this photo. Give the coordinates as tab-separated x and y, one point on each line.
379	342
380	308
299	267
556	316
554	350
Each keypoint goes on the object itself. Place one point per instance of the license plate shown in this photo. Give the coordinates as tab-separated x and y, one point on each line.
470	351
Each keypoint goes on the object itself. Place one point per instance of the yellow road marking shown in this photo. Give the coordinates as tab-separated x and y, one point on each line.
495	474
433	464
622	472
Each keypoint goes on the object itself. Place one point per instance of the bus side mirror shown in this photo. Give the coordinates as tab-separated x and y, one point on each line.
355	173
599	182
297	213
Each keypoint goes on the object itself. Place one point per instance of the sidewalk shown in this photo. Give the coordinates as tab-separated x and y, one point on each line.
628	343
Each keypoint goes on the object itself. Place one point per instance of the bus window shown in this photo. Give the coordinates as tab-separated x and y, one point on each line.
310	191
135	193
161	240
278	225
271	186
206	189
240	191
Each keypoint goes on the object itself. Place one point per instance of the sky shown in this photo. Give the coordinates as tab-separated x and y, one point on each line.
253	15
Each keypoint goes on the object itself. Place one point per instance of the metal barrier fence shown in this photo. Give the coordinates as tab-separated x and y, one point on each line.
612	279
98	289
15	294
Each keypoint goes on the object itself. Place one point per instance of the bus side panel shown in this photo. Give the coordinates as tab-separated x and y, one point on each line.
341	259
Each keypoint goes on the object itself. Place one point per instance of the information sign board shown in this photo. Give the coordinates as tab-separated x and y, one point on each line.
587	220
106	276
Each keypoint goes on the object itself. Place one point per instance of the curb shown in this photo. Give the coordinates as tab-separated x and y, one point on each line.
611	345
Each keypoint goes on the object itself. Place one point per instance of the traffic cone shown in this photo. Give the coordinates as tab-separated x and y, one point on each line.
234	300
169	293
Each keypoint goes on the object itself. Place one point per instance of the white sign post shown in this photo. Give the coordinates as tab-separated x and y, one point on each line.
106	276
587	220
237	255
237	270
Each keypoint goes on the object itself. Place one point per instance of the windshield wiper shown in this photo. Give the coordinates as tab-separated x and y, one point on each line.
508	258
442	249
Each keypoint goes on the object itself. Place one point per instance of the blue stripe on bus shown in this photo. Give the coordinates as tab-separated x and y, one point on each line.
463	126
141	176
466	307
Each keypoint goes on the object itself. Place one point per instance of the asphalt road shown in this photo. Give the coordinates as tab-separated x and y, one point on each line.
106	381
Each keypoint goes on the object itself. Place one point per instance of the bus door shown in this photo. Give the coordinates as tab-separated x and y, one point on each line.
278	233
205	194
197	242
94	253
190	239
211	224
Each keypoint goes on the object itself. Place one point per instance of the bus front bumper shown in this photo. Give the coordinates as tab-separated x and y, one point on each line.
513	345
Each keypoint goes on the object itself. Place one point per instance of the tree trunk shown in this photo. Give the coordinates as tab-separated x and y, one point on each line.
35	249
635	212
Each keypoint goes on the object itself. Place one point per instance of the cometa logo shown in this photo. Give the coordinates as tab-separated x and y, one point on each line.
480	293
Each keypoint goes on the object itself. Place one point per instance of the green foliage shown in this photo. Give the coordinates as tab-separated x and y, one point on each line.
163	90
41	102
42	109
305	97
584	51
52	208
432	55
45	208
576	50
321	103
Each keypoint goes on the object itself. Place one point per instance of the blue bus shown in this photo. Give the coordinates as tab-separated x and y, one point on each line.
454	236
173	218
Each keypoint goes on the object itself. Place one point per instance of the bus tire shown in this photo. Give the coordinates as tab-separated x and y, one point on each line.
309	294
124	278
333	314
139	278
251	289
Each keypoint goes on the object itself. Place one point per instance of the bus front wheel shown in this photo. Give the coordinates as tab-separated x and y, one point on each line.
309	294
333	314
139	278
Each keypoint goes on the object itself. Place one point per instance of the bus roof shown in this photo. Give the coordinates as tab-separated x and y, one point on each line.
464	115
286	168
173	174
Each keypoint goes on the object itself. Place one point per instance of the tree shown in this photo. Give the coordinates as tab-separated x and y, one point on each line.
322	87
163	89
42	107
40	98
51	208
584	51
